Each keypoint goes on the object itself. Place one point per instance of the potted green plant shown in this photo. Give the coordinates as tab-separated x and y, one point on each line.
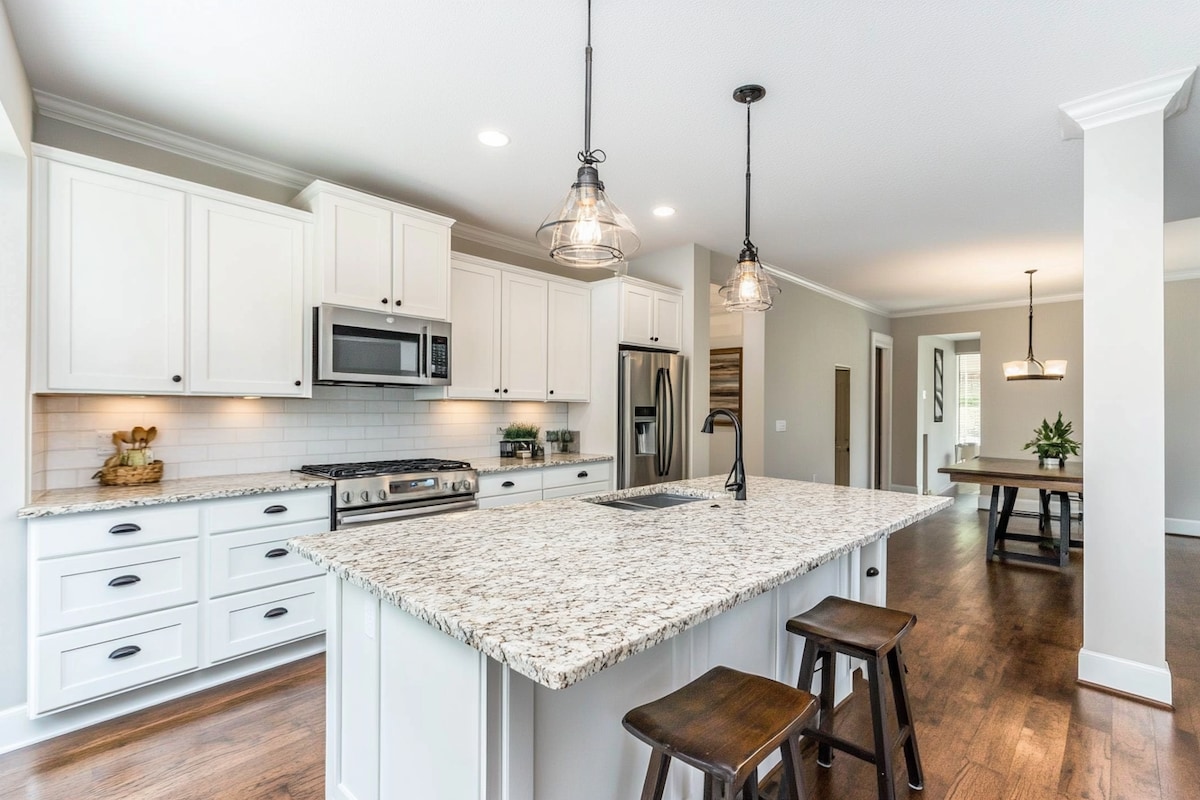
1053	443
519	437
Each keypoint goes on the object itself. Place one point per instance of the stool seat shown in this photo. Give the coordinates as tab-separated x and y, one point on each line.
869	630
724	723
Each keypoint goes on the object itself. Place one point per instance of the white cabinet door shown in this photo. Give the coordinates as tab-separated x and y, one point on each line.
421	268
668	321
523	338
637	315
246	301
114	250
569	366
475	340
356	253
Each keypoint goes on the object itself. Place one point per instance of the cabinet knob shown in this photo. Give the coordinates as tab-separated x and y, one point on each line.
384	301
506	391
496	390
177	378
551	391
582	474
298	383
399	302
872	572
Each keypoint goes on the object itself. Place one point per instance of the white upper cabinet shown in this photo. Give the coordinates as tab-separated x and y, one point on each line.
475	332
246	301
650	316
144	284
569	362
523	337
111	281
379	255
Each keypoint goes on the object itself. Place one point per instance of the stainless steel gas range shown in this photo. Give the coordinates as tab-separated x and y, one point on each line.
372	492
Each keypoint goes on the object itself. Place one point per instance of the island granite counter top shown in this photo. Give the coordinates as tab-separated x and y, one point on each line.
561	589
53	502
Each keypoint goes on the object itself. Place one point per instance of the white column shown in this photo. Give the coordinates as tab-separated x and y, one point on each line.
1124	588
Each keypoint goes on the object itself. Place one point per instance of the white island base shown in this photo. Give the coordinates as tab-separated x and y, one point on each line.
414	713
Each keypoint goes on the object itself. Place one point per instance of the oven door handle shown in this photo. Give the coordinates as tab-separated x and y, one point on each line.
361	518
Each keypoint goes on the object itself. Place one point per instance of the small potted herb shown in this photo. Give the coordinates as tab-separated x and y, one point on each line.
519	437
1053	443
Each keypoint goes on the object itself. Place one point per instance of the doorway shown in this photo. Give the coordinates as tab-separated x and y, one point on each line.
841	426
879	420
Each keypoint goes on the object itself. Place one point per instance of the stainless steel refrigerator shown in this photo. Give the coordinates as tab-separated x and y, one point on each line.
651	413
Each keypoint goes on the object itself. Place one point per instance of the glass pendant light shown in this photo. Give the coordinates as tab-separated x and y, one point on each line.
750	287
588	230
1031	369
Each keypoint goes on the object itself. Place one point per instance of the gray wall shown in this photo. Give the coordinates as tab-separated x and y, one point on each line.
1182	309
807	335
942	435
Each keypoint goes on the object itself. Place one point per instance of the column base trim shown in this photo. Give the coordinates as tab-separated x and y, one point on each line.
1131	678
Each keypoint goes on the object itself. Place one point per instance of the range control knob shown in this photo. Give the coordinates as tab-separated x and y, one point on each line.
466	485
382	494
365	496
345	497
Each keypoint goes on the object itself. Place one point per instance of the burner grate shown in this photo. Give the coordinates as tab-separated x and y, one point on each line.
369	468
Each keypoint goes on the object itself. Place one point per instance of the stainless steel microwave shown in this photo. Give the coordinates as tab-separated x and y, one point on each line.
374	348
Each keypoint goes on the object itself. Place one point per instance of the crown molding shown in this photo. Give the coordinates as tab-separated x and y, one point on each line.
926	312
1168	94
820	288
133	130
512	244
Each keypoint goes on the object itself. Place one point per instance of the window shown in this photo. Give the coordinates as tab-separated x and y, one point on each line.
968	398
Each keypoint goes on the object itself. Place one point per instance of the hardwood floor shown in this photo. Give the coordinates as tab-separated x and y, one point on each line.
991	674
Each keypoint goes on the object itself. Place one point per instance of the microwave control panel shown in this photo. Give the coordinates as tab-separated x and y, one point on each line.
439	350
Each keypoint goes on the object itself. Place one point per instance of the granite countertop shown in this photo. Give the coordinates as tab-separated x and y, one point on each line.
496	464
54	502
561	589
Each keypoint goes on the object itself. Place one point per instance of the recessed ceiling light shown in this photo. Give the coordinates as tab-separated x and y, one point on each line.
493	138
664	211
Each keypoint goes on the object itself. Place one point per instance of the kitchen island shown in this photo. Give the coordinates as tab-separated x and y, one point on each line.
491	654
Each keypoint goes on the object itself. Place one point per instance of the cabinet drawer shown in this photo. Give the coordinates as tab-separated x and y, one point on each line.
577	474
597	487
97	587
276	508
98	660
245	560
242	623
67	535
498	483
510	499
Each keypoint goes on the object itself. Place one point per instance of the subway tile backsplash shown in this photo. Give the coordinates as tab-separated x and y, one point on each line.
200	436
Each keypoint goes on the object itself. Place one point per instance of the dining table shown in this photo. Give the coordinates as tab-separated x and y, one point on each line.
1010	475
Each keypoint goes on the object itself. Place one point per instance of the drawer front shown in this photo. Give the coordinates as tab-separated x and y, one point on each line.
276	508
243	623
70	534
515	482
577	474
599	487
92	662
510	499
238	562
98	587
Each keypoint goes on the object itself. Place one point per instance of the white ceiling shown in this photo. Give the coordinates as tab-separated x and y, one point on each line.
906	153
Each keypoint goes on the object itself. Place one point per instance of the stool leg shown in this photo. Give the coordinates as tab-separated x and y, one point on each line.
916	778
750	787
792	784
808	665
656	776
883	744
824	750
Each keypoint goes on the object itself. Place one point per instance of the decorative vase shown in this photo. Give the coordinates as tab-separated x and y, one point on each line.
1050	461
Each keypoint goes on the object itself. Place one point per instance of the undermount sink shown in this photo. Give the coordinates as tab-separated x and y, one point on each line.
649	502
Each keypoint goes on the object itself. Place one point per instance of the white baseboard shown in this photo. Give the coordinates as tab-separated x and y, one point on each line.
1125	676
1183	527
899	487
17	730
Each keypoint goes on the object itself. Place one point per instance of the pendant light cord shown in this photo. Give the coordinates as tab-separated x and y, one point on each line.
587	155
747	243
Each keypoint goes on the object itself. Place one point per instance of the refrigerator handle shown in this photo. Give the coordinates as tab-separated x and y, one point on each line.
670	404
659	411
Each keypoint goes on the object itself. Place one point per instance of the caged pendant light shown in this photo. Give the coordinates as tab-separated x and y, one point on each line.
588	230
750	287
1031	369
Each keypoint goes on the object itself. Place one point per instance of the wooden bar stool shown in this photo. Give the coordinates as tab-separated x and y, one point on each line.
873	634
724	724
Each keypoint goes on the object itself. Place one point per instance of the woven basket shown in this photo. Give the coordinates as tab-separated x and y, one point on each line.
130	476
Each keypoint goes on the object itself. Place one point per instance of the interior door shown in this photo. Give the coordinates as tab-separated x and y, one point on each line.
841	427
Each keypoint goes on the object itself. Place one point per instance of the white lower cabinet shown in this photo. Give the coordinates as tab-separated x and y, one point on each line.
122	599
531	484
